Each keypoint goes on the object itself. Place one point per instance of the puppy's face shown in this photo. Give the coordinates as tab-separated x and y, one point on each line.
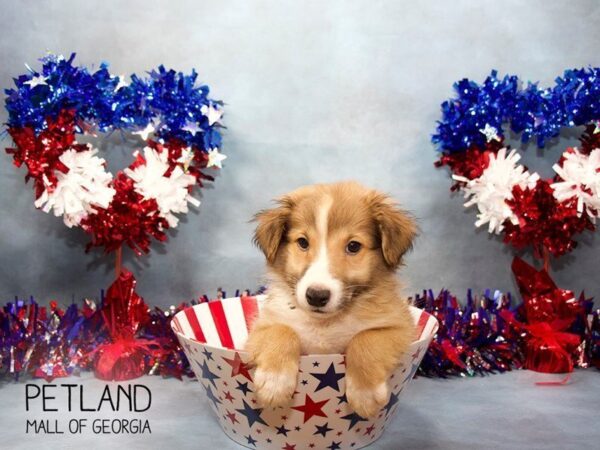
331	243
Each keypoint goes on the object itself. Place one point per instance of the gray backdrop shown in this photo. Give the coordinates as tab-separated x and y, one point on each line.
316	91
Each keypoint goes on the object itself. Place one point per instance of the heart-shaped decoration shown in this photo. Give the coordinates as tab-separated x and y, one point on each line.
47	110
545	214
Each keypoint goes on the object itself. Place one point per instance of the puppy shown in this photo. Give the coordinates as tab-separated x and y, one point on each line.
332	251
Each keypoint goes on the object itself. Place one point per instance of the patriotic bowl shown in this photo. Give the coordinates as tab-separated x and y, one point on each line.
212	335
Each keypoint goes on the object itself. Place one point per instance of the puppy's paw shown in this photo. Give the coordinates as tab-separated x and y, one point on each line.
366	400
275	387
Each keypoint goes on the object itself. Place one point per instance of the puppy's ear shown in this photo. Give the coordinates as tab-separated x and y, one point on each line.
396	228
271	227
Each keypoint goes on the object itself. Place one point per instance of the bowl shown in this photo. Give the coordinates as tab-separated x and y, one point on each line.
212	335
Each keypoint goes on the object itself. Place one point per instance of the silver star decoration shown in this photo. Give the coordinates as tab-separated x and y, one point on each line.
187	156
490	132
192	127
212	113
122	83
146	131
37	80
215	158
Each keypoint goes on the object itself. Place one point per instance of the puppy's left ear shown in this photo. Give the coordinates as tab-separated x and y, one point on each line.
397	229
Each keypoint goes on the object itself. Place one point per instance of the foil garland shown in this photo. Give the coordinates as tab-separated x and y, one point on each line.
550	331
120	337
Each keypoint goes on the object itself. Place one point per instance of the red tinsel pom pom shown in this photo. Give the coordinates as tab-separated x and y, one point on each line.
543	222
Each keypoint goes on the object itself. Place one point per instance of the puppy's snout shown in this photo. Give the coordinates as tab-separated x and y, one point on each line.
317	296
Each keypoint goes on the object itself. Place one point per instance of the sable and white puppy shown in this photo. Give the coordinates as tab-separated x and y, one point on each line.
332	251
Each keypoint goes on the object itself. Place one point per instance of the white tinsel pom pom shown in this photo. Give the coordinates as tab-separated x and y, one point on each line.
84	186
171	193
491	190
581	179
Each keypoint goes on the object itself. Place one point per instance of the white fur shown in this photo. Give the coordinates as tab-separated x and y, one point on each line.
318	275
275	388
318	335
366	401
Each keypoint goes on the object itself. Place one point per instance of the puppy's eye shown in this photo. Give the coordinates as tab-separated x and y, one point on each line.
353	247
302	243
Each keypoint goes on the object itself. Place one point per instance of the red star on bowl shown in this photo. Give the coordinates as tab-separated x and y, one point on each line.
238	367
311	408
289	447
232	417
228	396
370	429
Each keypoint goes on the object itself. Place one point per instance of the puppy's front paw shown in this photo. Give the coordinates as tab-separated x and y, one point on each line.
275	387
366	400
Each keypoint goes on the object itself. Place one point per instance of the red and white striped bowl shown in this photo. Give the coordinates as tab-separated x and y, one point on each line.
212	335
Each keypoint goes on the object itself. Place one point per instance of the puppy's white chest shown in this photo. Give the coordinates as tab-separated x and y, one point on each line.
317	338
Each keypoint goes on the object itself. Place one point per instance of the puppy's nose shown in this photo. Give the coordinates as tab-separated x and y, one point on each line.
317	296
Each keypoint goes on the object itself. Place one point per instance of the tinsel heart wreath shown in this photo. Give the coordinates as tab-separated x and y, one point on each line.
48	108
543	213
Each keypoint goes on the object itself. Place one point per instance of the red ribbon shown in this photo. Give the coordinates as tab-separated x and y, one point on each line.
124	311
549	313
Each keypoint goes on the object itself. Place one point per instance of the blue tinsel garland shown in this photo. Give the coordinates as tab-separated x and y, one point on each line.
530	111
99	99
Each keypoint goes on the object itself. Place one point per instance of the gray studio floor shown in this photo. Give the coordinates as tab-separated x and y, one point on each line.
499	411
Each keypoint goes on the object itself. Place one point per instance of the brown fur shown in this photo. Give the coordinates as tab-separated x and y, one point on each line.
370	289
